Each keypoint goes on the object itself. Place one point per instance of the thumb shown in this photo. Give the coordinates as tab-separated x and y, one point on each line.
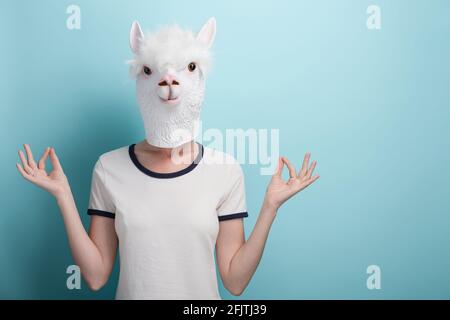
279	168
54	160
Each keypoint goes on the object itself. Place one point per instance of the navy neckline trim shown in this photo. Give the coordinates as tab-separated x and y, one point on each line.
168	175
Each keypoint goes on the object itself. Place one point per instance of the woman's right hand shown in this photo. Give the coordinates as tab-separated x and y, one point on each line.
55	182
93	252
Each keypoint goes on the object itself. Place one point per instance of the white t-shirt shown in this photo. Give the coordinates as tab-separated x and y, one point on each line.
167	223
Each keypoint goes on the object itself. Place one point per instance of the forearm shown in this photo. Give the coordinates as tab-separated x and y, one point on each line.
245	261
84	251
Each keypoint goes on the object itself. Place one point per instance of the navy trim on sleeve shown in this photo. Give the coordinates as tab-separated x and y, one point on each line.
233	216
95	212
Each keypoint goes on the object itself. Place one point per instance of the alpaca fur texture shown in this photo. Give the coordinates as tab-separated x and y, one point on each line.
171	113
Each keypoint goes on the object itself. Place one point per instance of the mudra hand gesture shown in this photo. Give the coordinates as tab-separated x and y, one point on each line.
279	191
54	182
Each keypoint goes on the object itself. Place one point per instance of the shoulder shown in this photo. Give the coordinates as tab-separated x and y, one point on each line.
113	158
214	156
221	161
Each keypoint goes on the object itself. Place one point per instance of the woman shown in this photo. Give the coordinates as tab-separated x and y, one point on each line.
167	202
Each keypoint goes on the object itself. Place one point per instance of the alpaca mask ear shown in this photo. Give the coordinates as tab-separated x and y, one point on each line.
135	37
208	32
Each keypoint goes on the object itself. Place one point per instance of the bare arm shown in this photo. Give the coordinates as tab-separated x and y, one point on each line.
237	258
95	252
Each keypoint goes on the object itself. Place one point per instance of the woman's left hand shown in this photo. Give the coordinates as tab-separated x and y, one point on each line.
279	191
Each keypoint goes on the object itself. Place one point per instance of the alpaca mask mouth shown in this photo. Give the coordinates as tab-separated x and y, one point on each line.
170	101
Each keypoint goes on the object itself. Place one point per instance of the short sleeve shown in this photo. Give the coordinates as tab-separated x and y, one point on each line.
233	203
100	202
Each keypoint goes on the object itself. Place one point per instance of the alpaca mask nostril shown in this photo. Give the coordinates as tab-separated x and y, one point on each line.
164	83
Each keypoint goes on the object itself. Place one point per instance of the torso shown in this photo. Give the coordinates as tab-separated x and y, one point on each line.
167	225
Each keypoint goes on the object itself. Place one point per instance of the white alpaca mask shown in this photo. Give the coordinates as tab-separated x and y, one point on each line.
170	66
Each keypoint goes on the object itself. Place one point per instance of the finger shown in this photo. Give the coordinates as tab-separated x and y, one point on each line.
304	168
279	168
26	167
23	172
31	161
311	169
44	157
291	168
311	181
54	160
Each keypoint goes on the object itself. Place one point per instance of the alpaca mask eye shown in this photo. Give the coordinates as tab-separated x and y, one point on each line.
191	66
147	70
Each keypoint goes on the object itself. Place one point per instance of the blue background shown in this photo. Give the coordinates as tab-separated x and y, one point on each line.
371	105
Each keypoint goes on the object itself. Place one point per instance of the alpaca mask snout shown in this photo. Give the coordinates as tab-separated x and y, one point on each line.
169	89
